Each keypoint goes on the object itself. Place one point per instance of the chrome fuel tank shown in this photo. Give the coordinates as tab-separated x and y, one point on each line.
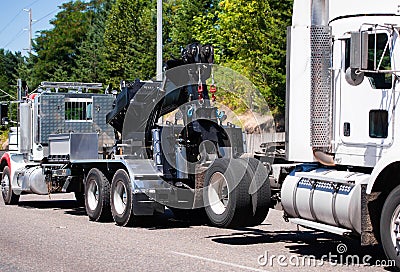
32	180
325	196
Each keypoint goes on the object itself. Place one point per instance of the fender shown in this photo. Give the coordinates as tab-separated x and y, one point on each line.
389	158
6	157
14	161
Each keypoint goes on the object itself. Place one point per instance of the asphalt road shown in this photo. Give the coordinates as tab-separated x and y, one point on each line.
56	235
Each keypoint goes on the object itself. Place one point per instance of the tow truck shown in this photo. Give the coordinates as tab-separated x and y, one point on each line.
122	163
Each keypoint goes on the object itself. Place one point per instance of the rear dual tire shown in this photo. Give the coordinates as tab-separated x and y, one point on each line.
105	201
97	196
122	199
259	190
226	196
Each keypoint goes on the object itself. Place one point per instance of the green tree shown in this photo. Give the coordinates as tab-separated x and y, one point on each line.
250	37
130	40
180	23
56	49
9	63
91	53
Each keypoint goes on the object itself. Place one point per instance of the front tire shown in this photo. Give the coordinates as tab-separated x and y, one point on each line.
9	197
226	196
97	196
390	226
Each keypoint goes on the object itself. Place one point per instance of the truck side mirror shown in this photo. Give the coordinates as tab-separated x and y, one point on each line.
4	114
359	51
358	58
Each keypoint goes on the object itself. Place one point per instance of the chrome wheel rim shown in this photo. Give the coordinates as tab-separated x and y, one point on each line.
93	195
395	229
218	193
5	186
120	197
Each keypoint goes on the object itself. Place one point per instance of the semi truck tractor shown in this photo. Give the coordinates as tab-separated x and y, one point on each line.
342	121
122	163
340	172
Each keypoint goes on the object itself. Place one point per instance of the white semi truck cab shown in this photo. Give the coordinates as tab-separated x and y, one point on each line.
342	117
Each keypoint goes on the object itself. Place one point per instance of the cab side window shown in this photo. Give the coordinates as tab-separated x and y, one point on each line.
379	80
378	41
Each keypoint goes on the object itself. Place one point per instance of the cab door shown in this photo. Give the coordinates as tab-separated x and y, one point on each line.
366	110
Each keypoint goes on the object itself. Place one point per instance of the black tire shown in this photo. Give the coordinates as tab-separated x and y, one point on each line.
80	198
9	197
388	228
235	211
259	190
97	196
122	199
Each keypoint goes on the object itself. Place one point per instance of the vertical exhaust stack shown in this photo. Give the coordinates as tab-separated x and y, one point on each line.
25	120
319	12
321	79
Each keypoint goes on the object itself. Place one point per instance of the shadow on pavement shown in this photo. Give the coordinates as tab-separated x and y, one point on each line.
69	206
160	221
168	220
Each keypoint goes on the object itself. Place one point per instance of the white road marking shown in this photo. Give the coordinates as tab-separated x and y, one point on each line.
217	261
